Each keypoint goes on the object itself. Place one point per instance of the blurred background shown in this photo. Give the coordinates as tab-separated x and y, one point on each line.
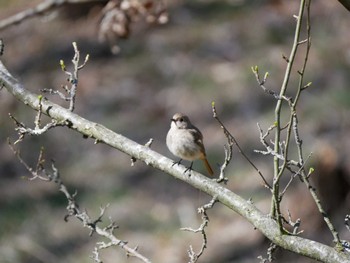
203	54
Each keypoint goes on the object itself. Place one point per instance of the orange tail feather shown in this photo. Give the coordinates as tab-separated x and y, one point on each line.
207	165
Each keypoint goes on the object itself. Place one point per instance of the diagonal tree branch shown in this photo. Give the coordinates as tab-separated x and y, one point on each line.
38	10
264	223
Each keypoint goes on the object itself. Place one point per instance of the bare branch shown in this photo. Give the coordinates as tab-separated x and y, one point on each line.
259	220
72	78
38	11
294	174
147	144
295	224
23	130
262	82
232	141
205	221
271	249
227	160
74	210
269	150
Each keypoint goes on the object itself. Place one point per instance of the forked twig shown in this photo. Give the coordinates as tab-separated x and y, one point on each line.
74	211
231	139
72	78
205	221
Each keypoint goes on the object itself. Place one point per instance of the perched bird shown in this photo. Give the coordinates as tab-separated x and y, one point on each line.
185	140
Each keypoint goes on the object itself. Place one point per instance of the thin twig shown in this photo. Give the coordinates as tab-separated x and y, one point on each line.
23	130
74	210
38	10
278	171
232	140
262	85
270	251
205	221
147	144
294	174
295	224
227	160
72	78
269	150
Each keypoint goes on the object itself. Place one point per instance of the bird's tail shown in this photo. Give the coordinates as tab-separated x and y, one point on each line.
207	165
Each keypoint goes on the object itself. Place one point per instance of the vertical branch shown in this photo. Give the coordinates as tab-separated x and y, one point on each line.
275	209
72	77
294	125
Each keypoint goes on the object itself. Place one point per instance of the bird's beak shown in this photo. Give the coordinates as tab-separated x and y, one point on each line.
173	120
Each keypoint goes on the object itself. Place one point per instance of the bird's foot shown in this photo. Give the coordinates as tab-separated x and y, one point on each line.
189	169
178	163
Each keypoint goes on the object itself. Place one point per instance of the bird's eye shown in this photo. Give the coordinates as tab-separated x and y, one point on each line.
181	119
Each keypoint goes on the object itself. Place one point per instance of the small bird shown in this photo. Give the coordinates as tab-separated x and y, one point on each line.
185	140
